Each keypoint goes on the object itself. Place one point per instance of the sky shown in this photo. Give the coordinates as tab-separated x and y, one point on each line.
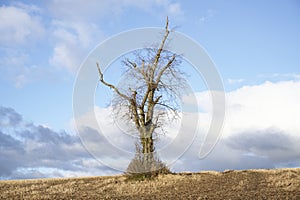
254	45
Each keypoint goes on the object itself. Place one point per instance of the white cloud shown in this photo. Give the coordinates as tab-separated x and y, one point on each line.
65	33
78	10
21	30
28	7
94	10
259	107
174	9
66	57
15	67
11	57
234	81
260	130
263	106
279	77
35	151
74	40
18	25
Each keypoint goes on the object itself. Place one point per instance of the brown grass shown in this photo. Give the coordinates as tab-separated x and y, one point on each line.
246	184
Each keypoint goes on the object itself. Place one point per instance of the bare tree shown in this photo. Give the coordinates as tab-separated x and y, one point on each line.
149	96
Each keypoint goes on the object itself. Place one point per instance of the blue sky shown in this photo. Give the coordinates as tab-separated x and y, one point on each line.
254	44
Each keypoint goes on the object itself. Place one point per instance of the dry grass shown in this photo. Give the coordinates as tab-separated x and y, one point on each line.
246	184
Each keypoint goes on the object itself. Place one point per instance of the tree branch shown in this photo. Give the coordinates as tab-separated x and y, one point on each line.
164	69
157	99
145	98
158	54
110	85
169	107
133	64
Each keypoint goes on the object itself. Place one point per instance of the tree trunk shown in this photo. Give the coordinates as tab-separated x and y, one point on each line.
147	149
147	144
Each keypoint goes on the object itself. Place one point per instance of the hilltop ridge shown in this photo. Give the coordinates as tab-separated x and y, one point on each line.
230	184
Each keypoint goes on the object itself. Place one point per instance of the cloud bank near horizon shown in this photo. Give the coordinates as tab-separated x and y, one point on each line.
261	130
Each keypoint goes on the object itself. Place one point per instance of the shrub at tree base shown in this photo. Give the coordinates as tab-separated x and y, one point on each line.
144	167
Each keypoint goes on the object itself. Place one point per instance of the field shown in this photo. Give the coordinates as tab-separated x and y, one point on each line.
246	184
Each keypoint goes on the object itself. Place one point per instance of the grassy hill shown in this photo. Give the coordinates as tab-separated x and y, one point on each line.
246	184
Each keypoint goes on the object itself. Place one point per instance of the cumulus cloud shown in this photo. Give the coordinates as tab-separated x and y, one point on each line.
76	25
78	10
278	146
9	117
69	30
234	81
16	67
29	150
263	106
19	25
21	30
260	129
74	40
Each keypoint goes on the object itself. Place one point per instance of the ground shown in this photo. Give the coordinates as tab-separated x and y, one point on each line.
245	184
